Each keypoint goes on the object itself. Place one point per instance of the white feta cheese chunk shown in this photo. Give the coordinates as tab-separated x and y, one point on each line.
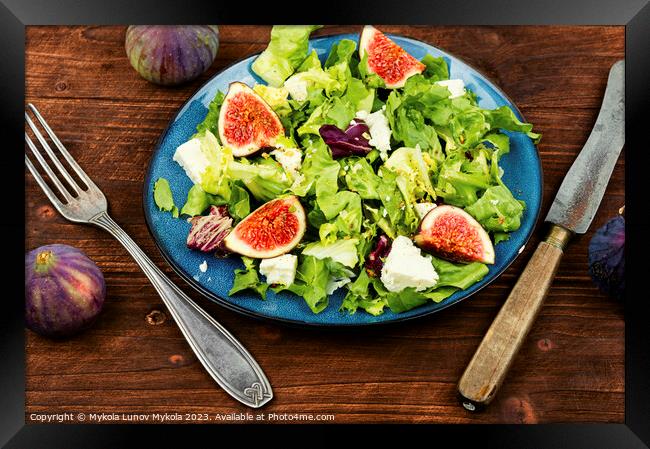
406	267
423	208
456	87
204	266
289	158
379	130
334	284
190	156
279	270
297	87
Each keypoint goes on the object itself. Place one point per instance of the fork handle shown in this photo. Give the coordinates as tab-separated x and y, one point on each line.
227	361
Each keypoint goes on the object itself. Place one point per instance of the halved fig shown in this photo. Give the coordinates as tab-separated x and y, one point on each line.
453	234
273	229
387	59
246	122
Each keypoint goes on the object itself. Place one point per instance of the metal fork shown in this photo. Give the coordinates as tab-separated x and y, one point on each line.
227	361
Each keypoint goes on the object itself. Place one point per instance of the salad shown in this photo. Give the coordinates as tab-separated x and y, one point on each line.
370	171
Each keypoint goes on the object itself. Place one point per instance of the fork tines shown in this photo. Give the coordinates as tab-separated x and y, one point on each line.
67	193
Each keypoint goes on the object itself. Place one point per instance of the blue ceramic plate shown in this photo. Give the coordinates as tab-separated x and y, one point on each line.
522	175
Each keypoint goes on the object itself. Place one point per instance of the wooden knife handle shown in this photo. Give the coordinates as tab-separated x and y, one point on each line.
489	366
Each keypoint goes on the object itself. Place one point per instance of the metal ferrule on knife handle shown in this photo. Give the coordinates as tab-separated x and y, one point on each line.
558	236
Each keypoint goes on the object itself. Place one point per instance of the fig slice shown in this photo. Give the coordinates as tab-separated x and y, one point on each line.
273	229
246	122
451	233
387	59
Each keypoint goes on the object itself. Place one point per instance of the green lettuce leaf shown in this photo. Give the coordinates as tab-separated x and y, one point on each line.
312	277
214	179
284	54
414	179
210	122
162	195
360	177
343	251
334	111
437	68
248	279
239	202
359	96
276	97
197	201
504	118
338	62
497	210
265	178
458	275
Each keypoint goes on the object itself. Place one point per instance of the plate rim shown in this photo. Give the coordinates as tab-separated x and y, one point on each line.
214	298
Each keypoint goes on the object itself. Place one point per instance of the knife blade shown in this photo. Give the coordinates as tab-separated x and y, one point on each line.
583	187
572	211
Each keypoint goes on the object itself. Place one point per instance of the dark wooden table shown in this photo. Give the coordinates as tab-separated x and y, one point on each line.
570	368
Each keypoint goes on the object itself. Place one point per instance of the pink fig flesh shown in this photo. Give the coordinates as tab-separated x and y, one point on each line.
451	233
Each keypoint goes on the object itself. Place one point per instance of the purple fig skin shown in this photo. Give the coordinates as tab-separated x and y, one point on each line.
64	290
171	54
607	257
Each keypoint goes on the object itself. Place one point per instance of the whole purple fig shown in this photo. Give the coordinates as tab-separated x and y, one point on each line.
607	257
171	54
64	290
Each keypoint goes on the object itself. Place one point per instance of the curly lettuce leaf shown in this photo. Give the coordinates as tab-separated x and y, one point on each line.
312	278
285	53
436	68
336	111
276	97
504	118
265	179
210	122
414	179
497	210
248	279
360	177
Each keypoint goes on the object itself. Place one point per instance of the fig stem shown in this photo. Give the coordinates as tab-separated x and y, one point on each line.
44	260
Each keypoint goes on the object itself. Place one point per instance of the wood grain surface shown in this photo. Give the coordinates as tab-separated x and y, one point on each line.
135	360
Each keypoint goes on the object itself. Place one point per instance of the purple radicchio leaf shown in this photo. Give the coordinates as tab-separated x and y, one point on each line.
349	142
208	231
375	260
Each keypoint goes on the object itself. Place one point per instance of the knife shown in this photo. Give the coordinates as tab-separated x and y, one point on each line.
571	213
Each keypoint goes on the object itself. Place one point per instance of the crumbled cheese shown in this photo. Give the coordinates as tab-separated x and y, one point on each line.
190	156
379	130
406	267
279	270
456	87
289	158
423	208
204	266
